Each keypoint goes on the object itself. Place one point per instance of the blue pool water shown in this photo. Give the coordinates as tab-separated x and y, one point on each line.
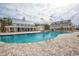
29	38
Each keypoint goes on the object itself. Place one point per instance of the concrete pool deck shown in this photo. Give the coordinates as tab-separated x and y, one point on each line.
63	45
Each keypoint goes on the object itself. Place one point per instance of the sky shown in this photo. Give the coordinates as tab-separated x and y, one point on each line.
41	12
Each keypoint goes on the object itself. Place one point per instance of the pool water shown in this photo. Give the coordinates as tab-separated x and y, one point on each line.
29	38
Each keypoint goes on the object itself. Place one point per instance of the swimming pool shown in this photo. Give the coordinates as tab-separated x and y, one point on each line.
29	38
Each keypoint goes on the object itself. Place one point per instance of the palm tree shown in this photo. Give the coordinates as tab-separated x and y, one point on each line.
5	22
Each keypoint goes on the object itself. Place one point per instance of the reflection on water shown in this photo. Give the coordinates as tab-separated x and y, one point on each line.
29	38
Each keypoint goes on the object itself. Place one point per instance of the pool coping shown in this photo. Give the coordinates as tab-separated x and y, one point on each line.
14	33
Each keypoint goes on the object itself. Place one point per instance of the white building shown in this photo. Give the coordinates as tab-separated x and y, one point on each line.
21	26
61	25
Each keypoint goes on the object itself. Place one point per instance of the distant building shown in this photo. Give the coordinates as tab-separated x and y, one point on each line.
64	25
76	27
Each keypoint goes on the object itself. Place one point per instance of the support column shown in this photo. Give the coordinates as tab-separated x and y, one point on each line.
9	29
15	30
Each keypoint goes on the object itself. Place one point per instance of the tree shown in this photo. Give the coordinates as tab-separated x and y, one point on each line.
5	21
46	27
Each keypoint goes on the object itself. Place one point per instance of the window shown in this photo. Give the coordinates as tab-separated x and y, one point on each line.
17	24
22	24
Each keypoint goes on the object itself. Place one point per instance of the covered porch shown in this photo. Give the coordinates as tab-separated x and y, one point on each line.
19	29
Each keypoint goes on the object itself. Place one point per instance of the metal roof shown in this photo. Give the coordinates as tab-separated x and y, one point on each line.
20	21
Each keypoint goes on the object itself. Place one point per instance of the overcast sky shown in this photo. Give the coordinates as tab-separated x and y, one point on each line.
36	11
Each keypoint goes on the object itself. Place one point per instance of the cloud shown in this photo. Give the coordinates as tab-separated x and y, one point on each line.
34	12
